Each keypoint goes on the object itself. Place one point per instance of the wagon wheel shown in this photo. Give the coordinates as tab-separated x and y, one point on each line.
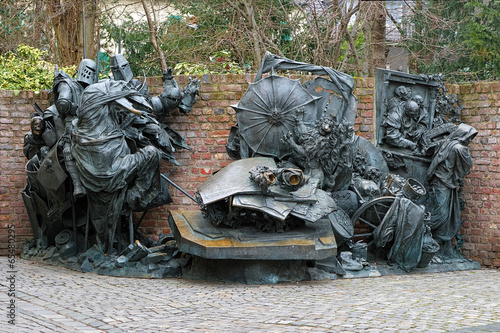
369	216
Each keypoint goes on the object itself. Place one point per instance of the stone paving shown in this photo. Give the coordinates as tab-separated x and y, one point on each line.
54	299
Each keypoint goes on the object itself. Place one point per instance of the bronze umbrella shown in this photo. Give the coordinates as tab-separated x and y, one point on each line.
266	112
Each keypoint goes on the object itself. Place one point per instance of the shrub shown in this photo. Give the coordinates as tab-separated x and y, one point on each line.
25	69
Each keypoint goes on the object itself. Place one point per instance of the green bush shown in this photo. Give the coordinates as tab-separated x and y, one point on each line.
220	63
25	69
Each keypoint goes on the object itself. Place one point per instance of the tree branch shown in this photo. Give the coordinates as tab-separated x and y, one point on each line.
153	34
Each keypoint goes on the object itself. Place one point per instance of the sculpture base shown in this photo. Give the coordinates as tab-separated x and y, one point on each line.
240	271
254	271
244	255
374	269
197	236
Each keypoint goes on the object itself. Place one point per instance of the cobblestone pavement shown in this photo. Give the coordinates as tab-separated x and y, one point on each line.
54	299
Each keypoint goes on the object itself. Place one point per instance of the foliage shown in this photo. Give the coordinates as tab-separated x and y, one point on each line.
311	31
135	40
11	25
457	38
220	63
25	69
244	30
184	49
448	106
52	25
241	27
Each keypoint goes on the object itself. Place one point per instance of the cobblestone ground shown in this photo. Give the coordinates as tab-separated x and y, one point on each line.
54	299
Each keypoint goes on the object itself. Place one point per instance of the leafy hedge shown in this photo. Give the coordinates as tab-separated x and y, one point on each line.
25	69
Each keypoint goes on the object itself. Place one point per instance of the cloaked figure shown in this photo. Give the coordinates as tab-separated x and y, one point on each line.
451	162
118	181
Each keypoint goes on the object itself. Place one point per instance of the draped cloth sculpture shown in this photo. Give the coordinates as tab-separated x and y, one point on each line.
115	178
451	162
403	223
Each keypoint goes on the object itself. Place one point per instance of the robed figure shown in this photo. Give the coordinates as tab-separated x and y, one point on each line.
451	162
117	179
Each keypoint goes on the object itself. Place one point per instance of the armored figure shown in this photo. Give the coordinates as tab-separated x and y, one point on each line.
147	130
172	96
43	204
67	94
93	142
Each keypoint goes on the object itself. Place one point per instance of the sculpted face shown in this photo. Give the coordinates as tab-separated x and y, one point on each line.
369	189
419	99
373	173
403	92
326	126
37	125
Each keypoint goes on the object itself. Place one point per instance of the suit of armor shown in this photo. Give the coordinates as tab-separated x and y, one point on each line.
67	93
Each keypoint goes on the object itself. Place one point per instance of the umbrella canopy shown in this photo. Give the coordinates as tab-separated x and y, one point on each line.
266	112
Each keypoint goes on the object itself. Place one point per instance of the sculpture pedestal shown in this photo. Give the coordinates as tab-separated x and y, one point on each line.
247	255
197	236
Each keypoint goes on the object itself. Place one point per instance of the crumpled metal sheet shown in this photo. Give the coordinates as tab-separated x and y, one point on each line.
314	211
233	179
265	204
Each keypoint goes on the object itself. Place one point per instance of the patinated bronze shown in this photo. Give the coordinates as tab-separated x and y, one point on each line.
303	187
95	156
451	162
381	191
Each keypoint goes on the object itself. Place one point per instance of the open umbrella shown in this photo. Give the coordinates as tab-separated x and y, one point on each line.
266	113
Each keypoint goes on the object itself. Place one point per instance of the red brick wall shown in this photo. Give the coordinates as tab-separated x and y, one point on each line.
481	229
207	128
15	115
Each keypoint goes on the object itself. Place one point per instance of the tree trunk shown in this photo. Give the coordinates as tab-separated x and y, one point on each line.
379	57
374	30
91	28
255	33
153	34
67	25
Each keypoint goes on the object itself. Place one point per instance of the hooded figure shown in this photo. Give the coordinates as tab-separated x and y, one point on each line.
451	162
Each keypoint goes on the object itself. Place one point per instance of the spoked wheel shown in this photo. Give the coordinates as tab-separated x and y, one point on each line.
369	216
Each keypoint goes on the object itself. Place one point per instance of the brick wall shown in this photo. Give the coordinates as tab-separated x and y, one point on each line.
15	115
207	128
481	229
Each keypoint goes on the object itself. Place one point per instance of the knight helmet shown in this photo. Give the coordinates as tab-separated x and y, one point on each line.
121	68
87	72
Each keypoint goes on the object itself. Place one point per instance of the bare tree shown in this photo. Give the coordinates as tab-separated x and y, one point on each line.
252	21
66	18
327	31
429	32
153	32
374	30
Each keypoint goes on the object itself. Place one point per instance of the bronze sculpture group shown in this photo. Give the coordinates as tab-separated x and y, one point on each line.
404	215
95	156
